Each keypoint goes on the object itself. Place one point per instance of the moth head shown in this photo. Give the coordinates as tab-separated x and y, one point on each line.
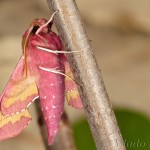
38	26
41	26
44	25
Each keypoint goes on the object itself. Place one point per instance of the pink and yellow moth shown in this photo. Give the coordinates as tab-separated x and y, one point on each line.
42	72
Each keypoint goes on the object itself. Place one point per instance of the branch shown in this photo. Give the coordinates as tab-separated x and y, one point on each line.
95	99
64	138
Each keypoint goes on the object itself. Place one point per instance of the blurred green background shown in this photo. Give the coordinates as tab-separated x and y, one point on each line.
120	35
134	126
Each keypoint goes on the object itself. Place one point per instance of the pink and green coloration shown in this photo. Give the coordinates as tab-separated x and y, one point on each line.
43	72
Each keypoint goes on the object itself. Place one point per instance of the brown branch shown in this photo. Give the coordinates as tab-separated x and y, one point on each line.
96	103
64	138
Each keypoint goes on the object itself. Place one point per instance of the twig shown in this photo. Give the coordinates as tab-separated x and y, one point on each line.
63	139
96	103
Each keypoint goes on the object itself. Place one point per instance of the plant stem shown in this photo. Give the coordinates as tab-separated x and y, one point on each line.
87	74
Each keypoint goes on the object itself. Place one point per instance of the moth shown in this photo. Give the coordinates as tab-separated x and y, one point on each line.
42	72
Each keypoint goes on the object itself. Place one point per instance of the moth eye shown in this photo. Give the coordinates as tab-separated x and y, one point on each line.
35	28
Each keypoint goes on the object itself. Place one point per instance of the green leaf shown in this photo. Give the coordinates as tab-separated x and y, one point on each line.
83	136
135	129
134	126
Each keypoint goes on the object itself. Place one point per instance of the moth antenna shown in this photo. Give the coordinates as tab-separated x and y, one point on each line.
24	50
50	20
55	51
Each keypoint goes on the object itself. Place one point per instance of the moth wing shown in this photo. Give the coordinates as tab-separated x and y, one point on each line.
51	91
72	94
20	91
11	126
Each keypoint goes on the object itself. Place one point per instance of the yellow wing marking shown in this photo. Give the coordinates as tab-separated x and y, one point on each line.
21	91
72	94
13	119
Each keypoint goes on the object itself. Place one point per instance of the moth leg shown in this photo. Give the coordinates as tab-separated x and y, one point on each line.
55	51
54	70
45	25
